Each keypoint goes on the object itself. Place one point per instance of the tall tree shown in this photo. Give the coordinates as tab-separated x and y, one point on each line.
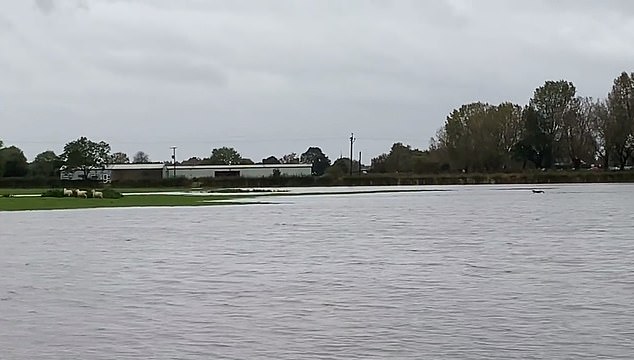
342	166
511	127
141	158
193	161
270	160
85	155
402	158
621	109
46	164
555	105
535	145
13	162
479	136
224	156
289	159
580	137
601	127
119	158
317	158
1	165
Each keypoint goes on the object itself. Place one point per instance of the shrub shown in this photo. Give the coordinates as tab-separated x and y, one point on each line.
53	193
109	193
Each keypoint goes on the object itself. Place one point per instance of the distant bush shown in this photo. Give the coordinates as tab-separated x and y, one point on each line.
108	193
53	193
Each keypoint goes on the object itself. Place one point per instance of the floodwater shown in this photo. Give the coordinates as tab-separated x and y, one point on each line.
480	272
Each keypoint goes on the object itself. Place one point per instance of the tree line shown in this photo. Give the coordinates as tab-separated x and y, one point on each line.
556	129
81	154
84	155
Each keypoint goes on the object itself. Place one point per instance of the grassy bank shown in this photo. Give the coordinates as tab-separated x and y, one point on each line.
529	177
30	202
44	203
28	185
39	190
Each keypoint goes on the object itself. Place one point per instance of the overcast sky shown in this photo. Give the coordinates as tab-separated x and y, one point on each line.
273	77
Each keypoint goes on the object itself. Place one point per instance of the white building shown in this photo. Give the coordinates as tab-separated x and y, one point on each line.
118	172
154	172
248	171
94	174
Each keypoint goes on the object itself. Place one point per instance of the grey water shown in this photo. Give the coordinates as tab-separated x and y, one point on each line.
479	272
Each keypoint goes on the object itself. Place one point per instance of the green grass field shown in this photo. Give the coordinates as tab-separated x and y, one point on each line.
18	203
17	191
46	203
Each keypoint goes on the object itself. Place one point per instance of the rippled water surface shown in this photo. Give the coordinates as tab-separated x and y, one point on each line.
483	272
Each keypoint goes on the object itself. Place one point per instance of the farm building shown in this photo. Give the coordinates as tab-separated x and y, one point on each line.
94	174
248	171
136	172
154	172
118	172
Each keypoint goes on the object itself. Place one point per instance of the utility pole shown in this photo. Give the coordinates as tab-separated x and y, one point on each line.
352	139
359	162
174	159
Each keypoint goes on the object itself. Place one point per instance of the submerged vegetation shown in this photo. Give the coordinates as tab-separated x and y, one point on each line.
31	201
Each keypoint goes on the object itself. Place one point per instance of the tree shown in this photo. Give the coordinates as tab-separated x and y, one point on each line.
478	136
581	138
600	127
511	127
470	138
270	160
556	108
621	112
535	145
119	158
317	158
246	161
141	158
397	160
13	162
402	158
84	155
1	165
289	159
341	167
46	164
224	156
192	161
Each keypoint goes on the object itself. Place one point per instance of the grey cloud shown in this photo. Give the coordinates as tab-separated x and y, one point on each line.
271	77
46	6
163	67
5	26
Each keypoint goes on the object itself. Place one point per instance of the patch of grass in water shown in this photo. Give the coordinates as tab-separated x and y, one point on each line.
45	203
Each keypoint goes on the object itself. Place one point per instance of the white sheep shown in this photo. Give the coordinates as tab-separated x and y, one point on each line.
97	194
81	193
68	192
